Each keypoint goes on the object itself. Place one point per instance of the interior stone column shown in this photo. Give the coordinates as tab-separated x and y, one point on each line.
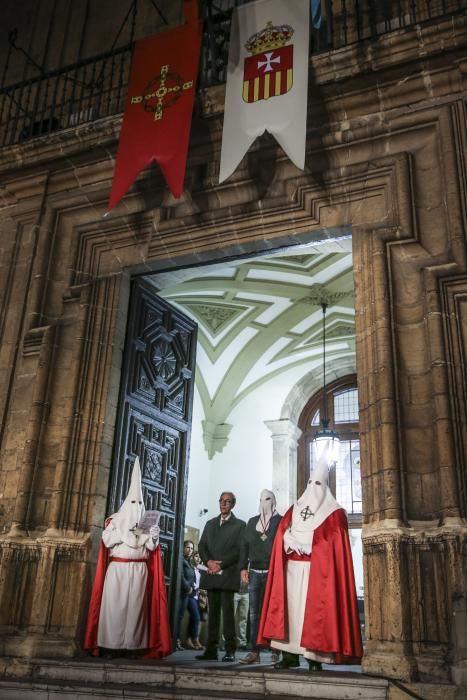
285	436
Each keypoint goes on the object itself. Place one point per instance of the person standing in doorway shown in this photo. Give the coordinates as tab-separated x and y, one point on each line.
128	608
255	554
219	548
241	604
189	600
310	602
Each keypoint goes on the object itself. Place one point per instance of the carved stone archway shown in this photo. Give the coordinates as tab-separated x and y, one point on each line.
396	182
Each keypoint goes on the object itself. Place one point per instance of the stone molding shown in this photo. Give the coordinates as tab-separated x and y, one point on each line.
215	436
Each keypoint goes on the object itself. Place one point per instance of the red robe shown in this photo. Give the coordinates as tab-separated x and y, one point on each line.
331	623
159	637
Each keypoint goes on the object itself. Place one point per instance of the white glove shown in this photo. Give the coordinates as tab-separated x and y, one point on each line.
111	536
154	531
291	544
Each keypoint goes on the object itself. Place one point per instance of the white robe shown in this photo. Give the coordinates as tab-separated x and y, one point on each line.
123	620
297	576
318	499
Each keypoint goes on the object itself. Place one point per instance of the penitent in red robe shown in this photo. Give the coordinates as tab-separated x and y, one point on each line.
159	637
331	623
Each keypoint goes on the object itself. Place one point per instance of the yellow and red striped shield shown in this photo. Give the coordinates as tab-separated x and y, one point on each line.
268	74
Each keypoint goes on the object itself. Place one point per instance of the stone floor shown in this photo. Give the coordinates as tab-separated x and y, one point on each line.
187	658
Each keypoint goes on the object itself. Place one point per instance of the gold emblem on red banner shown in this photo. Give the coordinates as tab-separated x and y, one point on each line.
161	92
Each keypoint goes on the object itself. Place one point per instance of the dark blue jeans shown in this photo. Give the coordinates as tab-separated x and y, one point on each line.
187	602
256	588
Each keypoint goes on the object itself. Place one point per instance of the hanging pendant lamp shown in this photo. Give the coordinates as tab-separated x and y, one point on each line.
325	438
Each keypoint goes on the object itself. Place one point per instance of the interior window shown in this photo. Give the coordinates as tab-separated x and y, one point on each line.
340	405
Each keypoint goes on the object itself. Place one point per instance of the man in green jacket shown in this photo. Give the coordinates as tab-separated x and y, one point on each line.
219	548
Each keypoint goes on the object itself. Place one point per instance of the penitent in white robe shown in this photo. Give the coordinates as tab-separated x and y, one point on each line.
297	577
123	620
317	500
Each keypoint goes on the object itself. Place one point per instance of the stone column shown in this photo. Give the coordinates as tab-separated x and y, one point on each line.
285	436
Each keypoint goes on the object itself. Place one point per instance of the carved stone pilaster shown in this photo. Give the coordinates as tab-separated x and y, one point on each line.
45	578
413	625
44	588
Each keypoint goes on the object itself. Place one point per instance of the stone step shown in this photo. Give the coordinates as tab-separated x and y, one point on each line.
31	690
46	679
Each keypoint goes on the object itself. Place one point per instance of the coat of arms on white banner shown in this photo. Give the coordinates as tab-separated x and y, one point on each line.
267	80
269	71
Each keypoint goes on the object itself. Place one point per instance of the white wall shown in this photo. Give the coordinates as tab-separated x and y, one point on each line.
245	464
199	472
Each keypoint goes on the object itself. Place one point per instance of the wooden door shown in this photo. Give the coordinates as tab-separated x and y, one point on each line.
154	419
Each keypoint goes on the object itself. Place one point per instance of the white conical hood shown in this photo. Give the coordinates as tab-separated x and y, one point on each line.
267	508
131	511
317	502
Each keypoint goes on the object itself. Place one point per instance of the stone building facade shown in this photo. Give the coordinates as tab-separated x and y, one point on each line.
386	159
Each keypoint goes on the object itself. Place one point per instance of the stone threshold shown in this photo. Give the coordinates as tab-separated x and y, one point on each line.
97	678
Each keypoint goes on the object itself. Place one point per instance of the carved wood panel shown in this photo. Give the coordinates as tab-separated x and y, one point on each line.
154	418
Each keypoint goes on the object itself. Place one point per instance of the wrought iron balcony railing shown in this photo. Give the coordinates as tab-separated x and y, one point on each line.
96	87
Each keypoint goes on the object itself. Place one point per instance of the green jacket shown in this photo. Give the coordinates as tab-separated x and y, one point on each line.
222	543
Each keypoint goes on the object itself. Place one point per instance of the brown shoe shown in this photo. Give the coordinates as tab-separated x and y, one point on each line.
252	658
189	644
197	644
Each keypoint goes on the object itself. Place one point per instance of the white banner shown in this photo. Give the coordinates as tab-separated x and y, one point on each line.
267	79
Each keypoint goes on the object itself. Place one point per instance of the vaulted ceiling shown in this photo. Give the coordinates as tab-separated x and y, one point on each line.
262	316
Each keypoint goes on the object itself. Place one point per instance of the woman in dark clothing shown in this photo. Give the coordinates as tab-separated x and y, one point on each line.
188	600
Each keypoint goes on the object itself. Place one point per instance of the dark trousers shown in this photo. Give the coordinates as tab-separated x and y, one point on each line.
221	600
256	588
187	602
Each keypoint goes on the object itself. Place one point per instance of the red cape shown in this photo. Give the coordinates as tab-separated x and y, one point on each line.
160	640
331	615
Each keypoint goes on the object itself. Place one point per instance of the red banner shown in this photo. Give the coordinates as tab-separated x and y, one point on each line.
157	119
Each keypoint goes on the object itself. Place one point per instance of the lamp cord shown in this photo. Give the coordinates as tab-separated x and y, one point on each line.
324	307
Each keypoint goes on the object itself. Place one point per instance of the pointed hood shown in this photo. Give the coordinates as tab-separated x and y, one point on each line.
317	502
131	511
267	508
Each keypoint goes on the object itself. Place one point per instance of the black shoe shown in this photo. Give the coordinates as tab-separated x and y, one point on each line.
133	654
207	656
228	657
109	654
314	666
288	661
